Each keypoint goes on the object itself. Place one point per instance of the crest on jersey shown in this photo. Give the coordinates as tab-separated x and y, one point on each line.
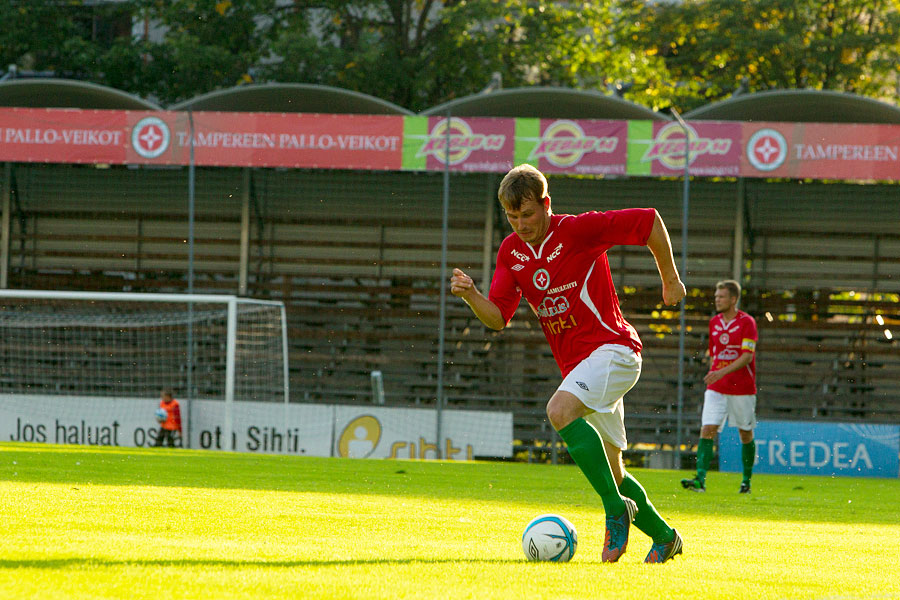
541	279
723	339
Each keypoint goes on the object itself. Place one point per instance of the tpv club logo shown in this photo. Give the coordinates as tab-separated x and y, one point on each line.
150	137
766	149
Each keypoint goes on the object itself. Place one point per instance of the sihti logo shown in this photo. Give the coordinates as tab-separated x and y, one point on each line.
150	137
551	307
728	354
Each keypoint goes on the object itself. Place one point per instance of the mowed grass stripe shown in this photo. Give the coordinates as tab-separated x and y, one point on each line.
87	522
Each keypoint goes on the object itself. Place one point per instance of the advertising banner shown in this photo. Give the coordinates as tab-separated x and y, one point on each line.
476	144
588	147
809	448
63	136
656	148
821	151
220	139
262	427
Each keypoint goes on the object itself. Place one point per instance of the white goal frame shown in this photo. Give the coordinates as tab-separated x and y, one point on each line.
231	302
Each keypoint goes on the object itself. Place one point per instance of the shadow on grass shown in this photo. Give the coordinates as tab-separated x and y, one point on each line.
77	563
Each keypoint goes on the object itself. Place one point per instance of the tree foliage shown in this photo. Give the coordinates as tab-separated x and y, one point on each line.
420	53
69	39
712	47
205	45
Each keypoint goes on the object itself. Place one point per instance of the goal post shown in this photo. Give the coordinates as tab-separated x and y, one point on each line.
128	346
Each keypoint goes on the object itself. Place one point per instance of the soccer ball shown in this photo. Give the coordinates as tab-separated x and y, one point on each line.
550	538
161	415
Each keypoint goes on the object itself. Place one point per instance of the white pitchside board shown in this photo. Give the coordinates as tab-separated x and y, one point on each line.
264	427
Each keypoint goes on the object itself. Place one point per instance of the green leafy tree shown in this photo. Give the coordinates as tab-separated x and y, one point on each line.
712	47
205	45
69	39
419	53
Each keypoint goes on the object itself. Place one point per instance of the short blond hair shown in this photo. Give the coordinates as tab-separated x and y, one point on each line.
521	184
732	286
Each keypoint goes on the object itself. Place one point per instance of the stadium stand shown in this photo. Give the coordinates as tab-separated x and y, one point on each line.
356	258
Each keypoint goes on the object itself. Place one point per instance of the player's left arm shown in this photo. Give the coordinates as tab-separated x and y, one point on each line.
661	247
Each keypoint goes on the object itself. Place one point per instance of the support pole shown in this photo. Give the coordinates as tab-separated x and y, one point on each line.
244	267
686	194
488	247
737	254
442	317
190	324
4	225
230	353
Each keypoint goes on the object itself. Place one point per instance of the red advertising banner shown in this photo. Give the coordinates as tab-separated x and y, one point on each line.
62	136
316	141
821	151
587	147
715	149
220	139
476	144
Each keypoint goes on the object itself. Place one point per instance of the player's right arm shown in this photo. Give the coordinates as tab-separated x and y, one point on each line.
661	247
462	286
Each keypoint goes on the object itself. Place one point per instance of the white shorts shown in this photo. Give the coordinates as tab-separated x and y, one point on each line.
600	381
739	411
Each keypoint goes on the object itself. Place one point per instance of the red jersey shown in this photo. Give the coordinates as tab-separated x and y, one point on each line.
567	283
727	341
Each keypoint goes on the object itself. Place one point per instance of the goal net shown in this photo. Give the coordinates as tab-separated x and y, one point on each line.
92	348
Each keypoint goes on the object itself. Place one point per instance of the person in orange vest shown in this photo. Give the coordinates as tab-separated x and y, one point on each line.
169	416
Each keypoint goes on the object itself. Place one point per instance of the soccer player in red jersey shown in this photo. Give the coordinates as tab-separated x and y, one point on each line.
559	264
730	384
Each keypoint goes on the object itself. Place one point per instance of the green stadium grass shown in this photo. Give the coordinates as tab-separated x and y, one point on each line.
90	522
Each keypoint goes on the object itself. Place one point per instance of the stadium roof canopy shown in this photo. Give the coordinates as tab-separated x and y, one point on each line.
547	103
291	98
798	106
68	93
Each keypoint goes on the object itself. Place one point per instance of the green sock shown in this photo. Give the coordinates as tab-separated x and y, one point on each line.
648	519
704	455
748	457
586	449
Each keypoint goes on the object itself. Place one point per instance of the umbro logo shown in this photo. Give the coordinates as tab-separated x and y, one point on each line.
518	267
583	385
